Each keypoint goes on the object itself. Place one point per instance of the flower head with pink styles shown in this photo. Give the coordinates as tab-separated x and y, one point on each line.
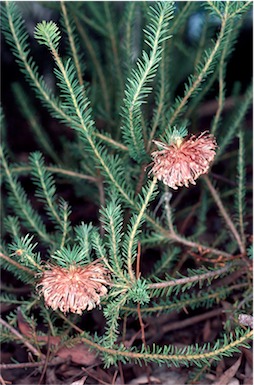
74	289
183	160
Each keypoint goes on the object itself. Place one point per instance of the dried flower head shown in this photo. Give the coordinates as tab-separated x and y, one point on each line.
184	160
74	289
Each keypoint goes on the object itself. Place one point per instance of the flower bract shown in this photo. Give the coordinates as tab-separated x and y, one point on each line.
184	160
74	289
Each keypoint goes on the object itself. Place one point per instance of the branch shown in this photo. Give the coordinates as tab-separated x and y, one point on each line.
200	77
136	226
173	236
182	281
57	170
54	362
167	358
16	264
225	215
72	44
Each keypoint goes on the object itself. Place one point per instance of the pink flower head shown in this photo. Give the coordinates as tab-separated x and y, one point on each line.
184	160
74	289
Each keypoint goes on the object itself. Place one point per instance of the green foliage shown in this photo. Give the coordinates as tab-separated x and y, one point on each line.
139	292
119	85
47	33
241	191
112	219
180	284
10	298
172	356
17	36
23	248
174	134
20	203
167	261
12	225
46	189
204	299
68	256
137	89
83	237
250	252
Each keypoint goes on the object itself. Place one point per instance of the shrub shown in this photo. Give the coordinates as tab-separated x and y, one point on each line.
125	107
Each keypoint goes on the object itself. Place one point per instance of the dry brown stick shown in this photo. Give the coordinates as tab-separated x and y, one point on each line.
185	323
56	361
226	281
142	326
115	377
94	377
225	215
2	380
21	338
191	321
120	366
46	362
